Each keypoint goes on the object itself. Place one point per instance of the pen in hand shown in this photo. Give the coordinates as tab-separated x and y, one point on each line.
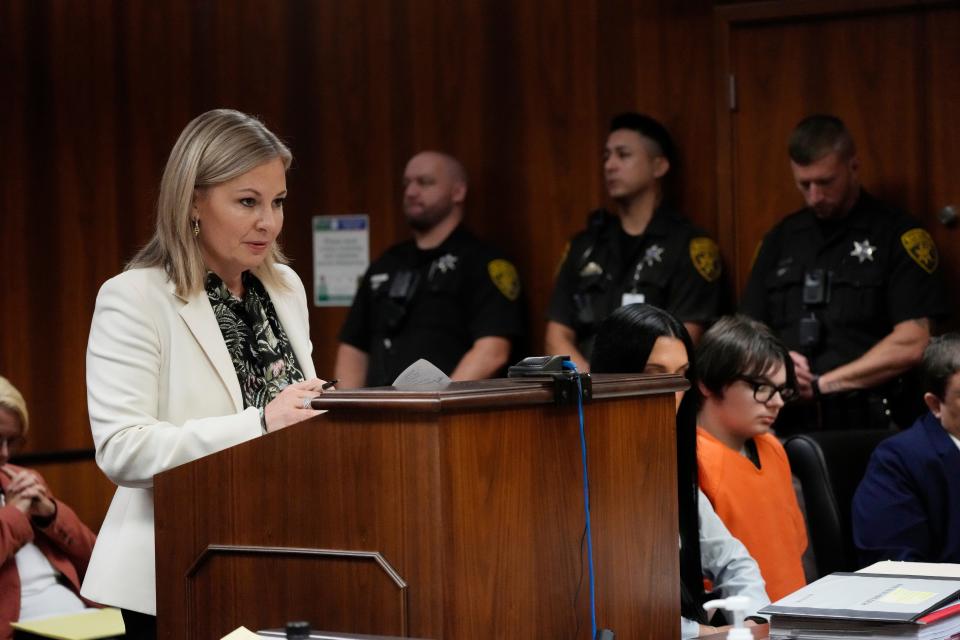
329	384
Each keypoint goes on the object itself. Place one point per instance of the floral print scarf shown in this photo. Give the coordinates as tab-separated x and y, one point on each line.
258	345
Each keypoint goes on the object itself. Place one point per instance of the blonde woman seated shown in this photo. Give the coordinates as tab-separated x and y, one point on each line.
44	548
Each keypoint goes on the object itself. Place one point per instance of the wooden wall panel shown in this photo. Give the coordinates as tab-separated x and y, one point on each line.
656	57
942	118
97	91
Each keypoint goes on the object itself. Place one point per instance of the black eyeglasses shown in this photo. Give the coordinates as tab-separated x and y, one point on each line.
763	390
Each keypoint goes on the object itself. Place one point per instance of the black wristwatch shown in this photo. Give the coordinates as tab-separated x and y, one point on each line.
815	385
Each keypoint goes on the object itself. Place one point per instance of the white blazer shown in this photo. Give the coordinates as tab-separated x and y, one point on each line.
162	391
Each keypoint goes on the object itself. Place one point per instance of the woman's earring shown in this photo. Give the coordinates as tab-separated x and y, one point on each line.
196	227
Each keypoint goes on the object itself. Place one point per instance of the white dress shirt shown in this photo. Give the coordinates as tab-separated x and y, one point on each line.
727	563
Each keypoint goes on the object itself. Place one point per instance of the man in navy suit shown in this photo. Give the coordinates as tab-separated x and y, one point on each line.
908	505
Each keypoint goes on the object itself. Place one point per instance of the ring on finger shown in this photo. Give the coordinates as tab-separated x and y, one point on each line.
306	402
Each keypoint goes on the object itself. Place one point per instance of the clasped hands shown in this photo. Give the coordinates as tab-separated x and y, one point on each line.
28	494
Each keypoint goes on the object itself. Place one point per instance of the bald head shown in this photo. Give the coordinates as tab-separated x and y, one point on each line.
442	162
434	188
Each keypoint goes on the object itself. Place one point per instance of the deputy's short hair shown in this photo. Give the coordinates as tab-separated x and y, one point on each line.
649	128
941	359
817	136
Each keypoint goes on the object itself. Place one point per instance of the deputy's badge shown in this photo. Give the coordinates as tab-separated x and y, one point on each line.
653	254
705	255
504	276
920	247
443	264
447	262
863	251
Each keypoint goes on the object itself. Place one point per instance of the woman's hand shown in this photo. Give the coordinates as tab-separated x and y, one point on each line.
292	405
29	495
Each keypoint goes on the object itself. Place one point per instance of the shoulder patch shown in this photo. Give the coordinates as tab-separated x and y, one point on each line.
504	276
921	249
705	255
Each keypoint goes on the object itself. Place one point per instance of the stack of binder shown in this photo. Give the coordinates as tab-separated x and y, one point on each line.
874	605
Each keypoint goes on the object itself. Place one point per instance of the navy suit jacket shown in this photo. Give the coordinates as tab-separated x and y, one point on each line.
908	505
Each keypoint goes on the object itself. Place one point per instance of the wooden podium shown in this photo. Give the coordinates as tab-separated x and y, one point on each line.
454	514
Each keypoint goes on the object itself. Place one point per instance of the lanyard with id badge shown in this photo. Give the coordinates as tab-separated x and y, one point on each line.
630	297
652	255
633	296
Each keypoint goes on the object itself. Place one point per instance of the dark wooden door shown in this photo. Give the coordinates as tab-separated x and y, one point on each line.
891	73
942	117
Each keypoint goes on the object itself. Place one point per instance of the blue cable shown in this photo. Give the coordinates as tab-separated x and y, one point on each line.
586	502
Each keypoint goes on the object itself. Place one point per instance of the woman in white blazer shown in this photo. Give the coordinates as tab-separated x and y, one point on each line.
200	344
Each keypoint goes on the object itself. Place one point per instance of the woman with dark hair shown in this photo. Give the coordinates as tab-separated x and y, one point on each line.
642	338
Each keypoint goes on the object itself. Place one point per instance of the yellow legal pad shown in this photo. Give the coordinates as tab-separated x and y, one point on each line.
88	625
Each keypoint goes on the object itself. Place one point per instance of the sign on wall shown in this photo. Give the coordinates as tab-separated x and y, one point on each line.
341	254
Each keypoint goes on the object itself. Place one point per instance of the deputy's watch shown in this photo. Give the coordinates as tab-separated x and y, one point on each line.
815	385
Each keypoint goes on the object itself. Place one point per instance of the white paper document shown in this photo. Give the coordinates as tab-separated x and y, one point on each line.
904	568
422	375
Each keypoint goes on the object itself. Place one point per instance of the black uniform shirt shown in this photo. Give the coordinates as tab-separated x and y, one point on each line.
881	269
432	304
672	265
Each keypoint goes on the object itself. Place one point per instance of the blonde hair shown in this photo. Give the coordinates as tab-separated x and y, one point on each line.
12	400
213	148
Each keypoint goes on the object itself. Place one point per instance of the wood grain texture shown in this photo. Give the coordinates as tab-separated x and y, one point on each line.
496	393
479	512
941	120
225	579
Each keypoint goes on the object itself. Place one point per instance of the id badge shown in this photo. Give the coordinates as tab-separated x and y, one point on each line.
632	298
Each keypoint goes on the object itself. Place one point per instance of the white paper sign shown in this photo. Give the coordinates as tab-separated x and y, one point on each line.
341	255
